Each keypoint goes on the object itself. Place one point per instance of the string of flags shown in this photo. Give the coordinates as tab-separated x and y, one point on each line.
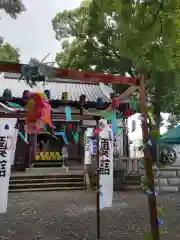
146	191
109	114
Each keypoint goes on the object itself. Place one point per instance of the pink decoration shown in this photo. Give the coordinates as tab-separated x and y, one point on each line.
97	131
38	113
128	113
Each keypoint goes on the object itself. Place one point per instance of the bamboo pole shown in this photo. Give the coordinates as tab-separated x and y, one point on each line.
148	165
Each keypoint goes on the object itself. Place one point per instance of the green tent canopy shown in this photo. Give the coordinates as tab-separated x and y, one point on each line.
171	137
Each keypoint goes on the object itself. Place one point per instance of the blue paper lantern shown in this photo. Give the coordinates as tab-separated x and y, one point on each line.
48	93
26	94
99	103
7	93
6	127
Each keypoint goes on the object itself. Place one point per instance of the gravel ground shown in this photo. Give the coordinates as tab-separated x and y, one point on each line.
72	215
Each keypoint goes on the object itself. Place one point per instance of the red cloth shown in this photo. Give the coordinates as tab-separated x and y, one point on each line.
115	103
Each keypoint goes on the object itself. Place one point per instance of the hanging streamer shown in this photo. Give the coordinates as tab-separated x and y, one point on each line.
134	105
114	123
151	118
68	114
22	137
76	137
63	136
14	105
8	108
38	113
85	139
146	191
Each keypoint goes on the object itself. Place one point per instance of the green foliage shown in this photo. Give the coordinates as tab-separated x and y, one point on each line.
8	53
13	7
125	36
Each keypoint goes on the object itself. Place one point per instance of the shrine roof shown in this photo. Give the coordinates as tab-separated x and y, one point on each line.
74	89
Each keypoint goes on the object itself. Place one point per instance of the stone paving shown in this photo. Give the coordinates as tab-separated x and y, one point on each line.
72	215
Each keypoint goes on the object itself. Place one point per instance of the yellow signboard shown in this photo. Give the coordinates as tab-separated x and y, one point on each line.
43	156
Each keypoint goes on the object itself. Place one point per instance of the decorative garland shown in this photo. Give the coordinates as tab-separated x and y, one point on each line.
154	135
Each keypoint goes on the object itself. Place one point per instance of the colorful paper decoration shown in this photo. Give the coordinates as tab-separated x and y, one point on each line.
97	131
155	134
22	137
8	108
160	212
128	113
26	94
115	102
7	93
114	123
68	114
99	103
63	136
14	105
76	137
38	113
134	105
85	139
151	118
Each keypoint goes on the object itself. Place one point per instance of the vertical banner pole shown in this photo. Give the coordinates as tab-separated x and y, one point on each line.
98	218
148	164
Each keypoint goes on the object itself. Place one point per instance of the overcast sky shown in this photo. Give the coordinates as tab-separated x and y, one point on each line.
32	31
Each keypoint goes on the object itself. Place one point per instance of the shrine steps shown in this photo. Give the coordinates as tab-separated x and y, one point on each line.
132	182
66	182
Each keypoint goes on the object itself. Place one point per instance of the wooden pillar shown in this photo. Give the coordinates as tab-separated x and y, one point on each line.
125	143
148	164
81	140
82	100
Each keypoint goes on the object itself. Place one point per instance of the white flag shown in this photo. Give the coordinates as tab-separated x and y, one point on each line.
7	131
87	155
106	169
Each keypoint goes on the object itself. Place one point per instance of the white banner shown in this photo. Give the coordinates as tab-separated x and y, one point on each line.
7	131
106	169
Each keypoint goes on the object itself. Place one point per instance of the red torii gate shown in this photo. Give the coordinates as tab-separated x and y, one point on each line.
92	77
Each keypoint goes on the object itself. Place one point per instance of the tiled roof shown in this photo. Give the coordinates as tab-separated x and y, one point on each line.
92	91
